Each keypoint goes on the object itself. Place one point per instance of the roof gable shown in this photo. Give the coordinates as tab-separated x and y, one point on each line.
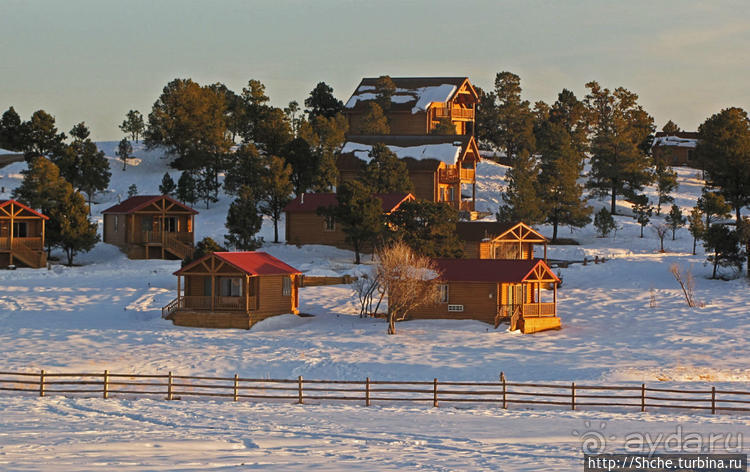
496	230
494	270
413	94
250	262
139	202
5	203
310	202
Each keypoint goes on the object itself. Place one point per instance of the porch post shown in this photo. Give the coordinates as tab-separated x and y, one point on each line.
554	297
247	293
538	298
12	210
178	290
545	252
213	283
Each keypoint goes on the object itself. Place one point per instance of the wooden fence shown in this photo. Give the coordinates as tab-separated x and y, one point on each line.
504	394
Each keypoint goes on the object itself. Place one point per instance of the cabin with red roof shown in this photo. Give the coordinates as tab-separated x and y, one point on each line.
441	168
305	226
233	290
21	235
523	292
151	227
418	104
497	240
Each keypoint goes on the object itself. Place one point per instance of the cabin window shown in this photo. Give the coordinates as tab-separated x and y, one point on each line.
451	194
230	286
116	221
146	224
206	286
286	287
170	224
190	225
330	224
443	293
20	229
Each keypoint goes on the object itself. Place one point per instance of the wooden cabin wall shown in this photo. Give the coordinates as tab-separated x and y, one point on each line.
425	185
309	228
400	122
111	236
270	295
479	301
509	250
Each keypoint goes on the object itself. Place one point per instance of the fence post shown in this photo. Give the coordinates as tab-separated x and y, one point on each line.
643	398
169	386
41	384
505	401
434	393
573	396
236	387
105	387
367	391
299	390
713	400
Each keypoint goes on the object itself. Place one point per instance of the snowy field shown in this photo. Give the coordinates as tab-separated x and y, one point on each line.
105	314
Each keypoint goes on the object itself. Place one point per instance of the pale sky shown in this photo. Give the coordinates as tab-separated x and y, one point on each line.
94	60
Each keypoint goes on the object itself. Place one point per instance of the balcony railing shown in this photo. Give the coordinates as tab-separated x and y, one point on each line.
454	113
156	236
466	205
448	175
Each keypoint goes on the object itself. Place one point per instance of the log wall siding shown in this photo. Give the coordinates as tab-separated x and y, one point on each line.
119	237
309	228
400	123
479	301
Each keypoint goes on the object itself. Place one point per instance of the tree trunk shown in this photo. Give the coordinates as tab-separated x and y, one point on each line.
696	240
613	206
674	230
69	254
554	229
661	244
738	216
716	262
356	252
391	323
641	231
276	230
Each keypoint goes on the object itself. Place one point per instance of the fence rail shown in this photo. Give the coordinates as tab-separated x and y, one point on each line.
502	393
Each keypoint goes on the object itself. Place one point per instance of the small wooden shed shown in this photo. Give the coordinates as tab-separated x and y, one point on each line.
496	240
523	292
233	290
21	235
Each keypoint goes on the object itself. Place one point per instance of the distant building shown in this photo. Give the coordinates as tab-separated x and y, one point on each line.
496	240
492	290
151	227
305	226
21	235
233	290
677	148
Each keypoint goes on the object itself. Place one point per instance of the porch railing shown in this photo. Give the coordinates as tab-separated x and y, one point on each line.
28	244
538	309
204	303
454	113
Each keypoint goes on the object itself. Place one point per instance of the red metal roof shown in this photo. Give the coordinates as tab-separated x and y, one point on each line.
137	202
27	208
310	202
250	262
488	270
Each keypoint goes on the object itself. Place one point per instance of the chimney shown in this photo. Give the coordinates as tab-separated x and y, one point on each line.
302	199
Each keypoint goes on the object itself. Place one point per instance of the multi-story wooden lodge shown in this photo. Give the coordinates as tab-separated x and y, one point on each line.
418	104
21	235
233	290
305	226
441	168
492	290
151	227
496	240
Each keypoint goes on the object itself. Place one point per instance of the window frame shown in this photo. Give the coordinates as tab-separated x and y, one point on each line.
286	287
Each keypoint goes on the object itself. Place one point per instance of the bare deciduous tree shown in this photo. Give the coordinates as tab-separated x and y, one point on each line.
686	281
408	279
661	232
365	287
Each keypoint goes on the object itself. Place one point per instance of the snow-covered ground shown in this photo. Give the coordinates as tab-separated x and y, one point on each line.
105	314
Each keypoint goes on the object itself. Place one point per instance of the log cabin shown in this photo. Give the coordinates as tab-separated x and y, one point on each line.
151	227
305	226
496	240
233	290
21	235
441	168
677	148
493	290
419	104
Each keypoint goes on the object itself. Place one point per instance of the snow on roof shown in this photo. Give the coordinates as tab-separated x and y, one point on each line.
674	141
444	152
421	96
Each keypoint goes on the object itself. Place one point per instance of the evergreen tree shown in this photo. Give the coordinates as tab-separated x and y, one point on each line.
203	247
325	137
743	232
167	186
277	190
133	125
604	223
515	131
132	190
675	220
11	131
444	127
642	210
244	222
622	130
713	206
82	164
41	186
695	225
304	163
374	121
572	114
70	226
487	119
724	152
272	131
124	152
521	200
291	111
186	188
321	102
385	172
207	185
246	167
723	243
670	128
359	213
666	182
429	228
41	137
384	90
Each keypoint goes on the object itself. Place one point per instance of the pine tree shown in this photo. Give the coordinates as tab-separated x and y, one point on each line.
374	121
203	247
723	150
186	188
12	133
521	200
385	172
670	128
444	127
272	131
604	223
124	152
132	190
298	154
245	168
41	137
723	243
487	119
82	164
244	222
429	228
321	102
695	225
133	125
207	185
70	225
515	131
675	220
277	190
622	129
713	206
642	210
666	183
384	90
291	111
167	186
325	137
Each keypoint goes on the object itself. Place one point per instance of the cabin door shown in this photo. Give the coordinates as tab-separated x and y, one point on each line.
515	300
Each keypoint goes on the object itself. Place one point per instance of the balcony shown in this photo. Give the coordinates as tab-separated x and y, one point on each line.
466	205
451	175
462	114
219	303
152	237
